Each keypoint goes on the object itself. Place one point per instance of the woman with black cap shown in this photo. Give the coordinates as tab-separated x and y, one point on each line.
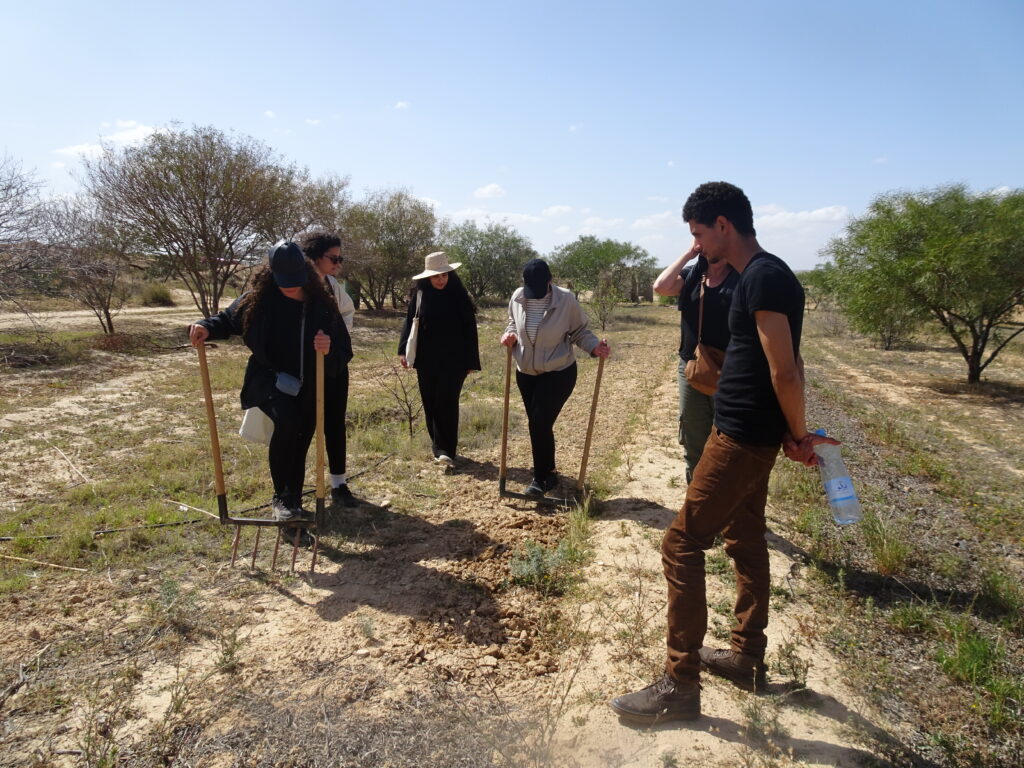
446	349
285	319
544	322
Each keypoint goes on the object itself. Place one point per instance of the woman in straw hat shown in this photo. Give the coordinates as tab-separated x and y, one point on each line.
446	349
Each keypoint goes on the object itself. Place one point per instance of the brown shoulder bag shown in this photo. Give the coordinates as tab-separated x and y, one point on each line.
706	366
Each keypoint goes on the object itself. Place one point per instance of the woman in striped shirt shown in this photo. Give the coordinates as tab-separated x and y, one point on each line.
544	322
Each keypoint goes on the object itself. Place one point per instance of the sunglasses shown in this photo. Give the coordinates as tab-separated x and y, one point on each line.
336	259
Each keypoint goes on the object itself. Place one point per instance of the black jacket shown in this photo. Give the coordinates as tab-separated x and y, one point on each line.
447	337
266	360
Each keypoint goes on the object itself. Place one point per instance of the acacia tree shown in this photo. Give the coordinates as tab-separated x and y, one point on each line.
947	254
388	233
492	257
583	261
204	202
20	262
92	254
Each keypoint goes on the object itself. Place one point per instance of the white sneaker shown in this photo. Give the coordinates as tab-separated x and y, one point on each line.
445	459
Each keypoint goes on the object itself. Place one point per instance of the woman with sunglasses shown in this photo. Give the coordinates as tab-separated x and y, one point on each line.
323	250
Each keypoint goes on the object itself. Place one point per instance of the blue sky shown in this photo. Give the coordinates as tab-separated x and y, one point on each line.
561	118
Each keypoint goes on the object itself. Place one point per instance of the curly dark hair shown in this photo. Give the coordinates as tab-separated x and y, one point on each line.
431	294
316	244
720	198
314	292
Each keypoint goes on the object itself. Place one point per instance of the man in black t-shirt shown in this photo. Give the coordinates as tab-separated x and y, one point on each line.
759	407
683	279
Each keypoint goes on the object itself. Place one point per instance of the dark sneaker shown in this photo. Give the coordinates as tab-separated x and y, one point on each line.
661	702
342	495
288	537
539	487
282	510
748	672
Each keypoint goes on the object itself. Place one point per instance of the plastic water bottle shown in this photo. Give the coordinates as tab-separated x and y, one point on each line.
842	498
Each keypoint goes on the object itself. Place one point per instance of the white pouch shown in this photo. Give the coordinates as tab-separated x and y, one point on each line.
256	426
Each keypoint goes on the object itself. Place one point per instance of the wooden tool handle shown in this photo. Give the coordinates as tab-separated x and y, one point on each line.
590	425
504	416
211	420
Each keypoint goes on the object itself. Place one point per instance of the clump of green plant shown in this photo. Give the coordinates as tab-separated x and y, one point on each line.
174	609
787	662
542	568
979	660
912	618
885	540
552	571
156	295
1002	593
761	724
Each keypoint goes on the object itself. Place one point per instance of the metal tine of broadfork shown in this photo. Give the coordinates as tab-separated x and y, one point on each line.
318	518
590	430
255	546
277	546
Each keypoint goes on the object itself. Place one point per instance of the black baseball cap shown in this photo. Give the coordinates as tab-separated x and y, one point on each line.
288	264
536	276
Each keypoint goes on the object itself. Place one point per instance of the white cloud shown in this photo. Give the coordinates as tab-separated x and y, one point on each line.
573	128
557	210
57	165
585	211
797	236
499	217
402	105
655	220
269	113
491	190
80	150
651	240
657	198
671	163
594	224
312	121
435	204
999	191
130	132
880	160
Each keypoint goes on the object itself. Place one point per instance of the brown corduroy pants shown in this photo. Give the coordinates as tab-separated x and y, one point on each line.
727	497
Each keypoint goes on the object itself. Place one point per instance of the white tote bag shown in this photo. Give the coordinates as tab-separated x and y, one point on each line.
256	426
414	332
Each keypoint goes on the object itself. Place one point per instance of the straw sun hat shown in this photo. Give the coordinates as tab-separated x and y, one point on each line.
436	264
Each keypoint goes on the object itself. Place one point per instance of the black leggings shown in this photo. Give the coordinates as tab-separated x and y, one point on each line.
294	424
544	395
440	389
335	407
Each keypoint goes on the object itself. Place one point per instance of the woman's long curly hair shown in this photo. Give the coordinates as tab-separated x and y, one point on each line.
314	292
454	291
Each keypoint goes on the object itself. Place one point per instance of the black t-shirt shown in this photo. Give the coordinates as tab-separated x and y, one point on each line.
717	301
746	408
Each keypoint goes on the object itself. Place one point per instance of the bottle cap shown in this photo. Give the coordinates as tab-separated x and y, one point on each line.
820	432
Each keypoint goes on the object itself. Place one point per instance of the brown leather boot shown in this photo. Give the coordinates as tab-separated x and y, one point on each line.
748	672
660	702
